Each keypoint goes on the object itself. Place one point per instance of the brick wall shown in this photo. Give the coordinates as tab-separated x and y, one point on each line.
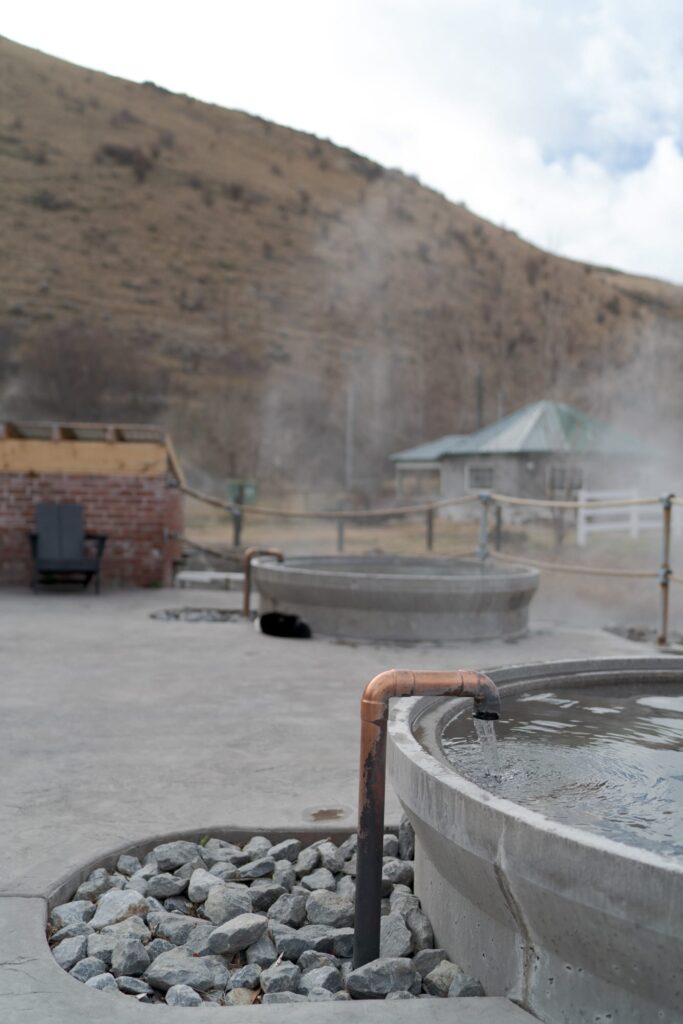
134	513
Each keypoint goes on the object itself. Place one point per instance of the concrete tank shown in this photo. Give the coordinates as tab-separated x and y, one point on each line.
573	925
399	599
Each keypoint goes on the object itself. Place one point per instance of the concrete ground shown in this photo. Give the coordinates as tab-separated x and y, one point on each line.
117	728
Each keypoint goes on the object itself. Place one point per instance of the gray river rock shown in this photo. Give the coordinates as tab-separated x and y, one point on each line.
75	912
324	907
179	967
224	903
238	933
262	953
165	884
321	977
116	905
104	982
395	938
129	956
89	967
290	910
440	979
170	856
69	951
182	995
284	977
376	979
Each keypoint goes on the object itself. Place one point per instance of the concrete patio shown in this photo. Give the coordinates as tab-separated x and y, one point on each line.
118	729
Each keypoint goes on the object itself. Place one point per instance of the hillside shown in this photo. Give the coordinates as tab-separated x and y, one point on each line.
169	260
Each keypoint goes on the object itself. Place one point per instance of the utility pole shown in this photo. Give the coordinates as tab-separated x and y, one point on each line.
349	438
480	400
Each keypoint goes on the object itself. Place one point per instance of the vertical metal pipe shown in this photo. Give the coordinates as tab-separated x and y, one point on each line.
480	400
236	525
340	535
371	786
483	549
370	849
349	440
665	570
430	528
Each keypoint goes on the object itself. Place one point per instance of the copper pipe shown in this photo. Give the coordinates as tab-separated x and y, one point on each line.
372	782
249	554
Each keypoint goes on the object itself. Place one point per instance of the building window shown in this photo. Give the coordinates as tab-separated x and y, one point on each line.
480	478
565	479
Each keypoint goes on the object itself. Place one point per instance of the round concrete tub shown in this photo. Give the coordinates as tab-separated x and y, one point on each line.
404	599
574	926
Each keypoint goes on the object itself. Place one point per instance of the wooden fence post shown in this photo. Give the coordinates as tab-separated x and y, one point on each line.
430	528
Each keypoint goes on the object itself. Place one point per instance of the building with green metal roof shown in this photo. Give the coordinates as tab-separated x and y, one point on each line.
544	450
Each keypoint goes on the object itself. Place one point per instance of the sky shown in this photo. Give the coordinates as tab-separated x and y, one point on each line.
559	119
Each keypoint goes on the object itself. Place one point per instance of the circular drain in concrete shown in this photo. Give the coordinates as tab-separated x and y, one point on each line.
327	812
196	615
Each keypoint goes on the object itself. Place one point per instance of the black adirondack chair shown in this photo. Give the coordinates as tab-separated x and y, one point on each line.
58	546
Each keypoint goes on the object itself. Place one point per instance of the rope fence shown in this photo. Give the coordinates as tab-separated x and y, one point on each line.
486	499
403	510
533	563
504	499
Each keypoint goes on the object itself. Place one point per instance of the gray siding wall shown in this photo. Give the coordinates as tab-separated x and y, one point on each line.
528	476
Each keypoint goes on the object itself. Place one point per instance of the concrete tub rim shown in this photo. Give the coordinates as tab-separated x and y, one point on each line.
406	713
517	574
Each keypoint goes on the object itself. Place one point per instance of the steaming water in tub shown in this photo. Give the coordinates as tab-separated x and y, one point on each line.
606	759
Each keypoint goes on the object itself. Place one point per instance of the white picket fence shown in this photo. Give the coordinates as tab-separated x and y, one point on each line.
632	520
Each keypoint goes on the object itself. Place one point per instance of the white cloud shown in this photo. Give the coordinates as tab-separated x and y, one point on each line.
562	121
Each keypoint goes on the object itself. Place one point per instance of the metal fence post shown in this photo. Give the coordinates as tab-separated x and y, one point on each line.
483	549
581	522
340	535
665	569
430	528
498	527
236	525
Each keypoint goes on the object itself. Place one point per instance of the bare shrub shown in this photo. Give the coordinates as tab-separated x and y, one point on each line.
46	200
81	372
126	156
166	139
365	168
124	117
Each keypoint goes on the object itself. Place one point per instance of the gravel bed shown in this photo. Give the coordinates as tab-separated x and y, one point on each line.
214	922
196	615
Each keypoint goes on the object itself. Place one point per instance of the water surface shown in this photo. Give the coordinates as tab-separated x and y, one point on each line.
606	759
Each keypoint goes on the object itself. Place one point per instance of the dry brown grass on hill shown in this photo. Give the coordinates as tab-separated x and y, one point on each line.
237	277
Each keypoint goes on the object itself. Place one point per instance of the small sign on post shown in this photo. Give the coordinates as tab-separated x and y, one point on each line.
241	491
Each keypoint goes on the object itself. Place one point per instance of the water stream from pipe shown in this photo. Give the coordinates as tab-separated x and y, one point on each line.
485	729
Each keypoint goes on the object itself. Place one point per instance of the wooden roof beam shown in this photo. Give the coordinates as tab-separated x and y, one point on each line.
61	432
